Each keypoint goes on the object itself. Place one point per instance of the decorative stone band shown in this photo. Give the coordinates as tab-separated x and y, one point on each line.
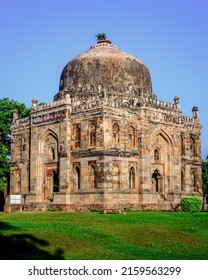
49	117
116	90
58	103
104	43
105	153
21	123
80	102
128	101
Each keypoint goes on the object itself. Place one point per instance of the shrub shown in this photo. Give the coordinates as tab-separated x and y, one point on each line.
191	204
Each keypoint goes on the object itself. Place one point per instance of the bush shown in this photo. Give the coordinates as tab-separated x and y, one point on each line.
191	204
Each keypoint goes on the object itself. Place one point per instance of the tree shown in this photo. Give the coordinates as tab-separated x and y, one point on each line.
205	179
7	107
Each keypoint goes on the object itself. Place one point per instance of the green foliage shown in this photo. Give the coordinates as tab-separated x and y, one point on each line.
205	179
101	36
191	204
6	117
4	165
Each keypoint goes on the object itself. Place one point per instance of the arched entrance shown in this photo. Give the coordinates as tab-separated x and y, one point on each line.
49	164
159	181
161	162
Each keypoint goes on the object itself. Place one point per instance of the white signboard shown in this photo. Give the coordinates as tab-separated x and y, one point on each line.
15	199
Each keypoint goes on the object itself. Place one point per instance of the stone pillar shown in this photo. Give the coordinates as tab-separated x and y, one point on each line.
145	162
15	115
24	178
195	112
64	153
35	165
34	103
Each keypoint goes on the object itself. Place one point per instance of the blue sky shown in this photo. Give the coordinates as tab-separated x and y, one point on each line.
170	36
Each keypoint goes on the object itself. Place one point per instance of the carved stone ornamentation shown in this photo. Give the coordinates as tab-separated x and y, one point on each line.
106	141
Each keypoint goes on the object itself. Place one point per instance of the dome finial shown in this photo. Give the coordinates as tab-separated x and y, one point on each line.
102	38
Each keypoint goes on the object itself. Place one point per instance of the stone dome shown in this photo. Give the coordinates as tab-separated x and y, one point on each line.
104	66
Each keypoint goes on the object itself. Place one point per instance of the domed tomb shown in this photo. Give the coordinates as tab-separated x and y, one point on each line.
106	67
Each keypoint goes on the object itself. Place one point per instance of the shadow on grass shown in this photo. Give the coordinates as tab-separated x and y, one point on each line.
24	246
1	201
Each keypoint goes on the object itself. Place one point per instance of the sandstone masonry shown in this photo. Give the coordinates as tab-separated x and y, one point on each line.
105	142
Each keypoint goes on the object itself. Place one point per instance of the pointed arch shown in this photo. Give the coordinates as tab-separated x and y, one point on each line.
92	134
132	135
161	146
116	175
44	136
78	178
48	163
163	134
116	131
161	154
132	178
193	145
51	153
77	135
157	154
92	176
49	146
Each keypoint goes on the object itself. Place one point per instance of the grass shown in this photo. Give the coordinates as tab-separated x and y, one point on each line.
90	235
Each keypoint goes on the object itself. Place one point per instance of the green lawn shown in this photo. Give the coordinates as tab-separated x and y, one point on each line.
90	235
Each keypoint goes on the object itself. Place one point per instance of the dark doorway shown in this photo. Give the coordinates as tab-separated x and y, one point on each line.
78	177
155	176
55	182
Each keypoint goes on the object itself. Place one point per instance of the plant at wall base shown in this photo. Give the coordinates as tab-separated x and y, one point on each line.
191	204
205	180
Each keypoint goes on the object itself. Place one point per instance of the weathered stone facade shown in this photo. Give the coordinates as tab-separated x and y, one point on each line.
105	142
